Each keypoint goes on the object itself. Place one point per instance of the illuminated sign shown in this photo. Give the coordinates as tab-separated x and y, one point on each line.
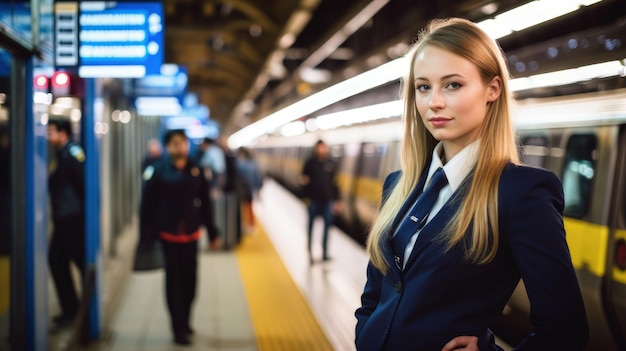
120	39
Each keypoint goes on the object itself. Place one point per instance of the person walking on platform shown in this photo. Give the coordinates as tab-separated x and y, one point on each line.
175	203
463	220
66	184
249	182
319	187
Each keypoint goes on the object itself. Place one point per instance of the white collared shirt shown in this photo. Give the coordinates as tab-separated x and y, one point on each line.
456	170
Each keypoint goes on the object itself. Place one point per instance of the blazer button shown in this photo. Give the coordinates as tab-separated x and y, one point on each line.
399	286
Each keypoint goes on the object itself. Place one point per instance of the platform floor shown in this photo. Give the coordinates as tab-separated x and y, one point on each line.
244	296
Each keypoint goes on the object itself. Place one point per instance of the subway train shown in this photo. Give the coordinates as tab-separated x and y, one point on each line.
581	138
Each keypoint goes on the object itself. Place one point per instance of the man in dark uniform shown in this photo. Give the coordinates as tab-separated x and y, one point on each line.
66	184
175	203
319	184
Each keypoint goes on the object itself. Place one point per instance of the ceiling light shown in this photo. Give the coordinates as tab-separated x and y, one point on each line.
568	76
383	74
360	115
315	76
287	40
530	14
293	129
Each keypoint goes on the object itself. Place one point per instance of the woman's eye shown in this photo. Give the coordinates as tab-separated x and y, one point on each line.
454	85
422	88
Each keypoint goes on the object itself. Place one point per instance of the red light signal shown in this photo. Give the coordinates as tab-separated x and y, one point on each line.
60	83
41	83
61	79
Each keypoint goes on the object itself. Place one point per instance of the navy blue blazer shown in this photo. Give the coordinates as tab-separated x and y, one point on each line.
440	295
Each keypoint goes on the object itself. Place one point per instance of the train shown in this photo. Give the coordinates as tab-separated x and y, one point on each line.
581	138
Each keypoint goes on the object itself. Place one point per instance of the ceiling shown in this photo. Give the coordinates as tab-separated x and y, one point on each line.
245	58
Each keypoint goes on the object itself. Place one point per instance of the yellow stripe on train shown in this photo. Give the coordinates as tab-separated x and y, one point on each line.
619	275
587	244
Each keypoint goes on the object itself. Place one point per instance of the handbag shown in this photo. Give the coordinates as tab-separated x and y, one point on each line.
148	256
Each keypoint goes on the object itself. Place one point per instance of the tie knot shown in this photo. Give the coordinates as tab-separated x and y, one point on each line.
439	179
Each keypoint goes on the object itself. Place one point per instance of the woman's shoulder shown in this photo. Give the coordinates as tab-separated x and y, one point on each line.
392	178
520	171
526	177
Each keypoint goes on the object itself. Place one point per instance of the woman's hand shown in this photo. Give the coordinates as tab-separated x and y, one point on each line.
465	343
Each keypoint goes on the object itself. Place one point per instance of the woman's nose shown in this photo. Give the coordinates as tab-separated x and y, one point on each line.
436	100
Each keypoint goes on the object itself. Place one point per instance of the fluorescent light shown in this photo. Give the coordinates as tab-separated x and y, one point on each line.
383	74
568	76
293	128
360	115
529	15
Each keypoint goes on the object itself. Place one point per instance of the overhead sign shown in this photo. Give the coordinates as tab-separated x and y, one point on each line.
170	82
66	29
120	39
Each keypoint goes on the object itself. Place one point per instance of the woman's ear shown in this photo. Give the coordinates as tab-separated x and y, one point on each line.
494	88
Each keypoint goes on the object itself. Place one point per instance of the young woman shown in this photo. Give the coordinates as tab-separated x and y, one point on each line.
440	273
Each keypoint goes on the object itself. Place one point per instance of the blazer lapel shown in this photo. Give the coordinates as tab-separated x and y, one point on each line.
408	203
388	249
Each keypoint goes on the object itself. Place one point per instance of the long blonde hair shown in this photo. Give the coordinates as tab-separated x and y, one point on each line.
479	209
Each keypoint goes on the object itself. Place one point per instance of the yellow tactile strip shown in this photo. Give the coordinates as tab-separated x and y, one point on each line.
280	315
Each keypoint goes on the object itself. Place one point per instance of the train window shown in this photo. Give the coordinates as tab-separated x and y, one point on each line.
578	173
336	152
371	159
534	150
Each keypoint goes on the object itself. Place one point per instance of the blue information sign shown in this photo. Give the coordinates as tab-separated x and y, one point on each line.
120	39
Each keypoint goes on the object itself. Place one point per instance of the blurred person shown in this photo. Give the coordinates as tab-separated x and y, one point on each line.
212	161
319	187
249	182
155	151
463	220
175	204
66	185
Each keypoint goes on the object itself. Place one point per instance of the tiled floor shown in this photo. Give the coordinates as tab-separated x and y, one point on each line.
220	313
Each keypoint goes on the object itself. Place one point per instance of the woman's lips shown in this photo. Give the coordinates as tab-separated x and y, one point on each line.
439	121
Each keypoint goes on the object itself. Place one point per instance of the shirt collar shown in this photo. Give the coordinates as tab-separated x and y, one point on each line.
458	168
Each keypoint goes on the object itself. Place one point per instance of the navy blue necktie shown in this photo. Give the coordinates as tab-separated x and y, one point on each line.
418	215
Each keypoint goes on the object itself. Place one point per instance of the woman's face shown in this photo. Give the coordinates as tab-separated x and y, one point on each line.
451	97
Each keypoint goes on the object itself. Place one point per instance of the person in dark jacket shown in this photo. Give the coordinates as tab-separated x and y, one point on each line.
66	184
319	186
175	204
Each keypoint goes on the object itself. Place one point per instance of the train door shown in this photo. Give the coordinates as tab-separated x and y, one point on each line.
587	172
368	189
616	265
346	181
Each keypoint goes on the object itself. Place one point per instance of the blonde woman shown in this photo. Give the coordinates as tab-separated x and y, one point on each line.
463	220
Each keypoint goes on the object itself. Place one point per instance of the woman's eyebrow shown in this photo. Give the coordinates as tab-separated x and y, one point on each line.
448	76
